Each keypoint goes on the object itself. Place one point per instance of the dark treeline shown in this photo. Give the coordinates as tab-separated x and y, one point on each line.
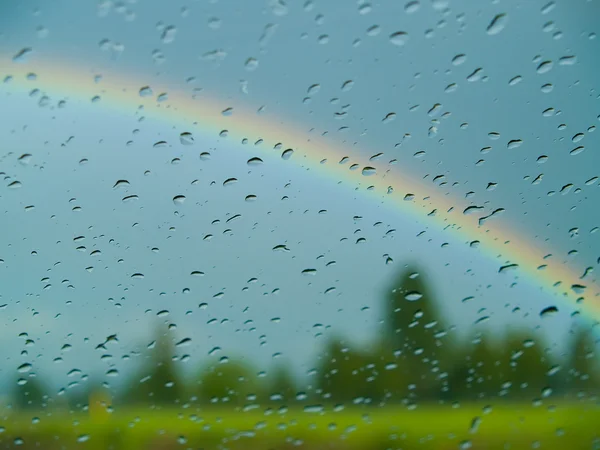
414	359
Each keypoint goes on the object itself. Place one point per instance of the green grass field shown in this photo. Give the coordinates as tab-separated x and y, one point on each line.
426	427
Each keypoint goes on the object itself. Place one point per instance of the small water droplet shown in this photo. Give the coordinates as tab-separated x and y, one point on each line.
368	171
413	296
130	198
515	143
412	7
459	59
548	312
399	38
251	64
497	24
545	67
25	158
186	138
120	183
146	91
256	161
23	368
179	199
21	55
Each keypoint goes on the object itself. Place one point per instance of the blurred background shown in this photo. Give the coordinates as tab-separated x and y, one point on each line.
317	224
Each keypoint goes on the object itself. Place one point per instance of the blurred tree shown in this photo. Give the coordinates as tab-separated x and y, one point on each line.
232	382
413	332
342	374
583	375
78	397
481	370
280	385
529	366
29	394
158	381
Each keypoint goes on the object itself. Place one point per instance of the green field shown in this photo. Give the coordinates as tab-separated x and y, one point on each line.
426	427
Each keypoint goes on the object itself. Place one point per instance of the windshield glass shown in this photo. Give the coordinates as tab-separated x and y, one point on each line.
235	224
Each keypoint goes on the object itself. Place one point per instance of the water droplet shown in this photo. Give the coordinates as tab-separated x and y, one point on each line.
186	138
121	183
23	368
179	199
287	154
476	75
146	91
368	170
251	64
137	276
168	34
508	268
130	198
347	85
475	425
413	296
83	438
373	30
515	80
548	312
389	117
25	158
497	24
545	67
459	59
399	38
515	143
256	161
412	7
313	89
567	60
21	55
472	209
184	342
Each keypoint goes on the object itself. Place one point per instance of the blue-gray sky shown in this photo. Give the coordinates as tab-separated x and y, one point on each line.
296	45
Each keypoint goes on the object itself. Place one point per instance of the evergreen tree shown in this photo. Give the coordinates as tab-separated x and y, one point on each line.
280	386
529	366
158	381
232	382
481	370
583	376
29	394
341	375
413	330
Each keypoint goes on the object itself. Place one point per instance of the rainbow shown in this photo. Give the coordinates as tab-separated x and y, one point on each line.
401	191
